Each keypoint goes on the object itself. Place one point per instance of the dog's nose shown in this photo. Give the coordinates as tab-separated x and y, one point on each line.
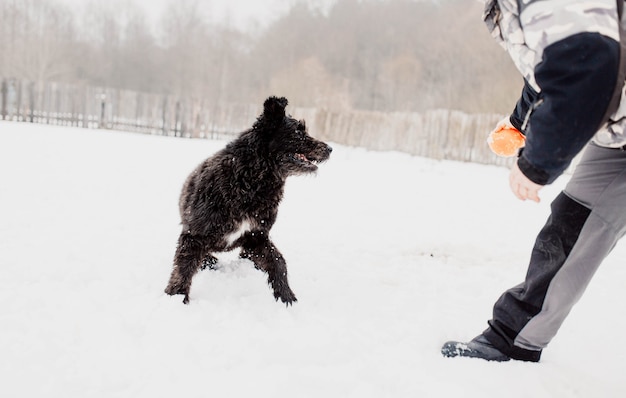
329	148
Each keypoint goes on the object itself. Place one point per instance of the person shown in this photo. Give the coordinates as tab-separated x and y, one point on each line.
572	61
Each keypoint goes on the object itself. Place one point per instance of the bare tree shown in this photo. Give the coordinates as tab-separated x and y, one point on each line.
366	54
39	38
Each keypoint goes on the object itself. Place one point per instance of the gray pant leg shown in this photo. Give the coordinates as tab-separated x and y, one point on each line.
598	183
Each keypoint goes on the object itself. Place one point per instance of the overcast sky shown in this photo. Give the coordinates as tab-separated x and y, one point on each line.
240	13
243	14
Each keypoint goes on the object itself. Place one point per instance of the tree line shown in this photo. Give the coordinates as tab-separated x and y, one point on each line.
393	55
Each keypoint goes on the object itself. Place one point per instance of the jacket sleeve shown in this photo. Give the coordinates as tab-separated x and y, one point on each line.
577	74
524	104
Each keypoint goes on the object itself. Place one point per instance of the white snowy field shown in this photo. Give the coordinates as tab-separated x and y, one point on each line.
389	256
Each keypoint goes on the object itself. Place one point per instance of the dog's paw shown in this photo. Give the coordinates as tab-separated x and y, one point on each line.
173	290
246	254
209	262
286	297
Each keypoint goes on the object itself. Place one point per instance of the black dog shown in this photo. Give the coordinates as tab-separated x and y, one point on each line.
231	200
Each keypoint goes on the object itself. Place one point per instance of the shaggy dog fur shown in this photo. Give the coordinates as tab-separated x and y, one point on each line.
231	200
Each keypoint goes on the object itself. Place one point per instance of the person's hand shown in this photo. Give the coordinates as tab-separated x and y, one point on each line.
522	187
505	140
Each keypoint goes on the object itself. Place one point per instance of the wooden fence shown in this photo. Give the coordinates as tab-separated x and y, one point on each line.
438	134
106	108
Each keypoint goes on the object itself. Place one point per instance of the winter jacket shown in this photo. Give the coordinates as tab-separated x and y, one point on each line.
569	55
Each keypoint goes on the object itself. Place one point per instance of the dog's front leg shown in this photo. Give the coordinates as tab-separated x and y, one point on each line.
266	257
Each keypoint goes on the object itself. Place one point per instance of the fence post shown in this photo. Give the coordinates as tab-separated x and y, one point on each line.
177	130
4	91
103	104
18	100
164	115
31	102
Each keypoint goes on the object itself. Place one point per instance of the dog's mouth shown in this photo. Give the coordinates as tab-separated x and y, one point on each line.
306	163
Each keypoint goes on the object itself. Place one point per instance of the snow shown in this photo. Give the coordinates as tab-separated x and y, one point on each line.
389	255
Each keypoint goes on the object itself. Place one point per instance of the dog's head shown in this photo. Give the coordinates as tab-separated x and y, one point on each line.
288	141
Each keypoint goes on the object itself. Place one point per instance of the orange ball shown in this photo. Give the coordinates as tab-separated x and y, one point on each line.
505	141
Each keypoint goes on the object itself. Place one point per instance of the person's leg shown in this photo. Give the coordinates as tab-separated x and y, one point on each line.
587	219
517	306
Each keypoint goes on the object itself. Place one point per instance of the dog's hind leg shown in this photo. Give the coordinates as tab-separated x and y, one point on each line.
189	254
265	256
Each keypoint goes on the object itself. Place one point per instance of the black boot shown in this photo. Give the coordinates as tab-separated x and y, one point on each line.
479	347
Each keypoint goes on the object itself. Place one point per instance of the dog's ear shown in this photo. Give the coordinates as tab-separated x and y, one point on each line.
274	109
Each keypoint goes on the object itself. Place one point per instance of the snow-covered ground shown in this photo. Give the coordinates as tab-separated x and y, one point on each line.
389	256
